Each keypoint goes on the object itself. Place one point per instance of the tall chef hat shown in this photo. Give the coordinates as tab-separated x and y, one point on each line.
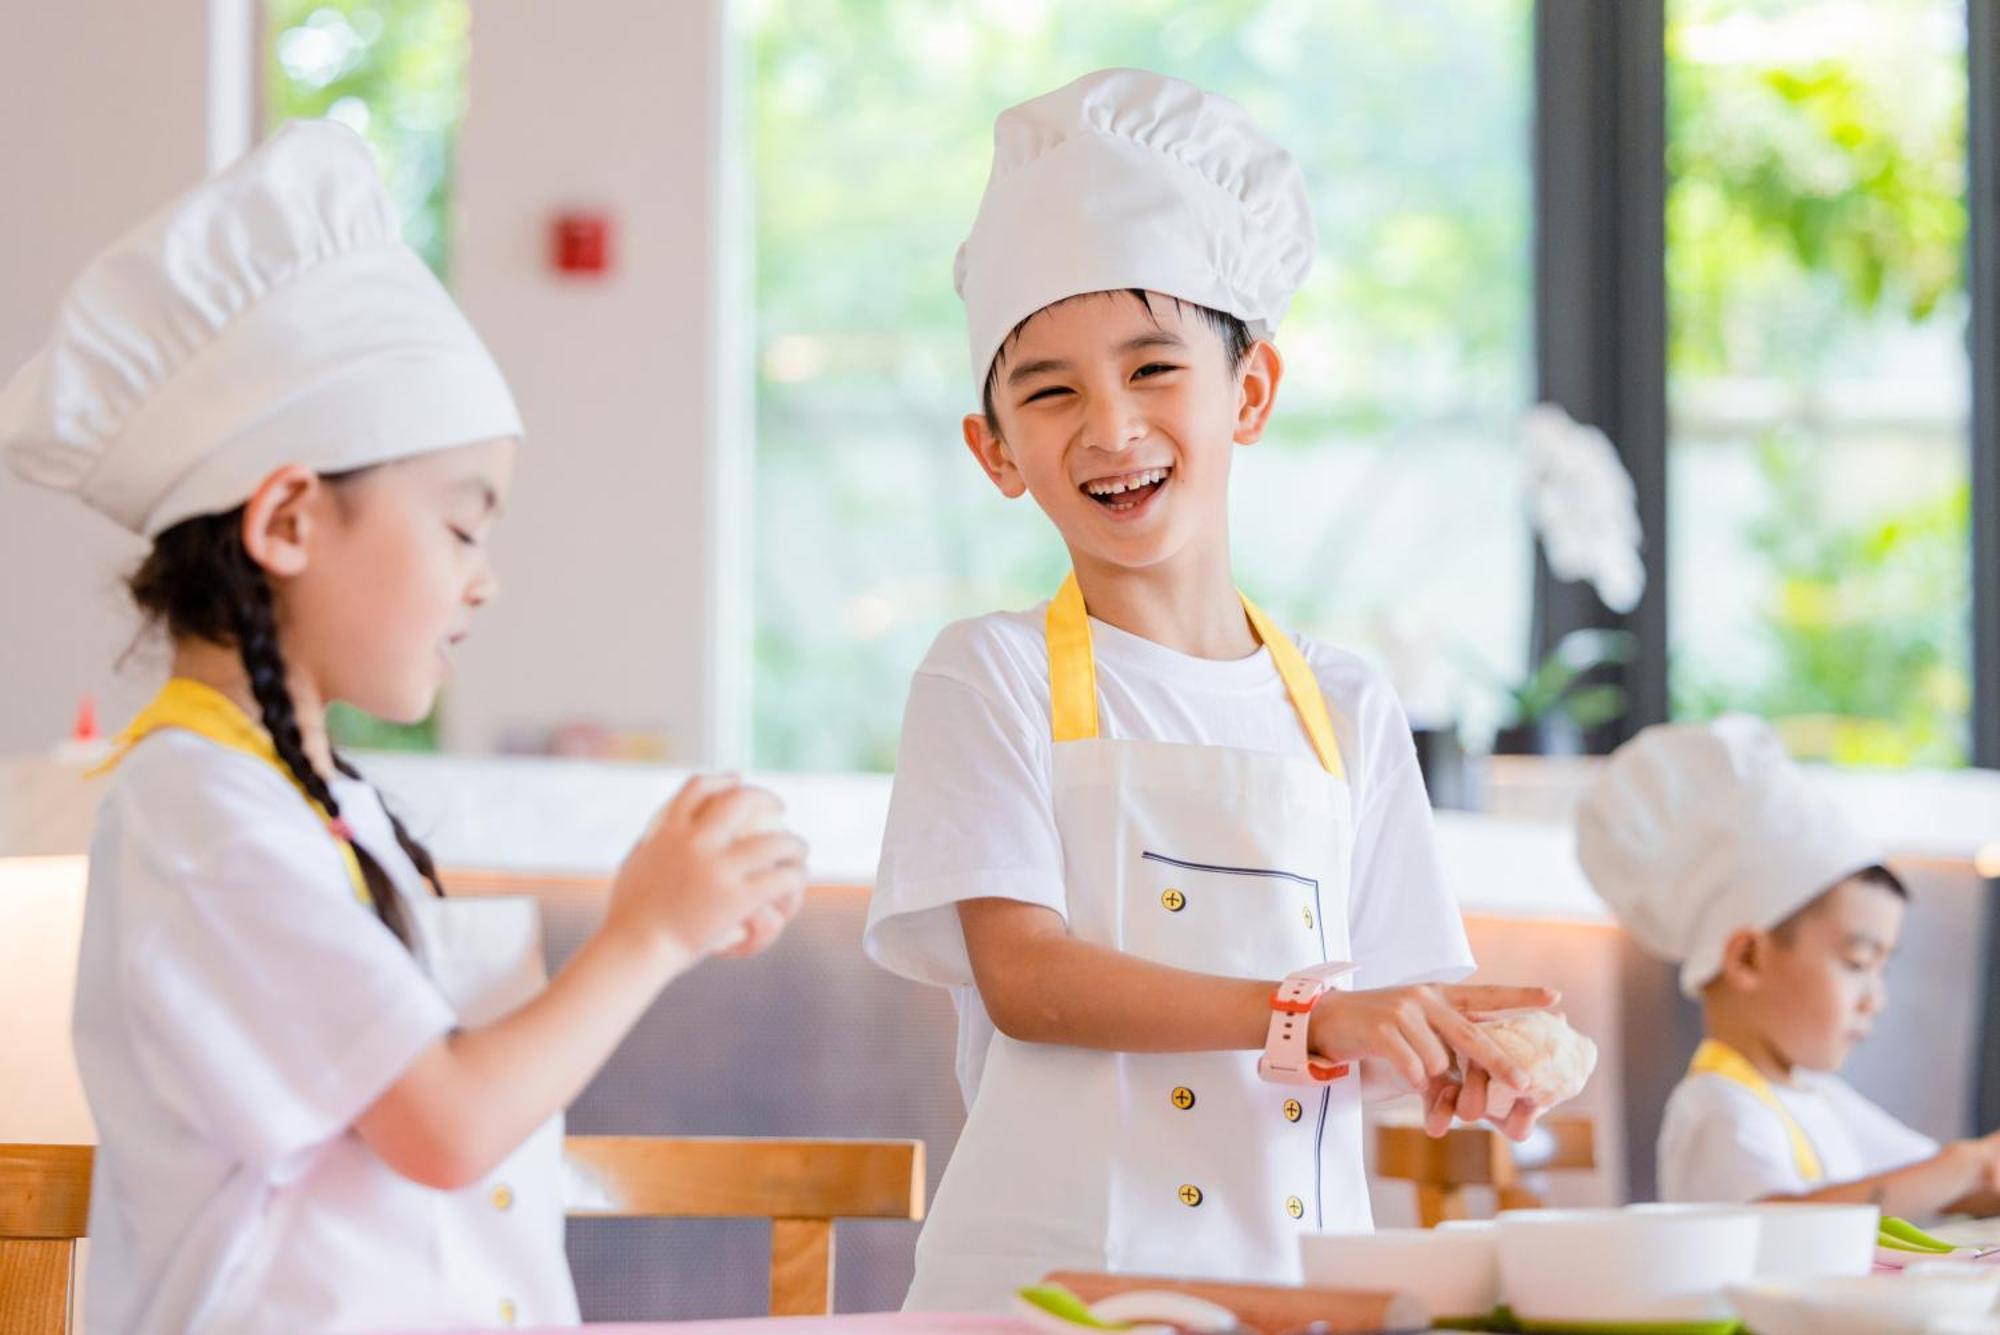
271	315
1127	179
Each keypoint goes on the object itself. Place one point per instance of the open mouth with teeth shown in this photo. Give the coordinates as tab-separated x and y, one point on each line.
1127	491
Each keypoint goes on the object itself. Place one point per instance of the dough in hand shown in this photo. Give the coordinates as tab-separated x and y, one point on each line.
1558	1059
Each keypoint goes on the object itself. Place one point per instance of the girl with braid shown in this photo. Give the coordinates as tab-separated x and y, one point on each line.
328	1097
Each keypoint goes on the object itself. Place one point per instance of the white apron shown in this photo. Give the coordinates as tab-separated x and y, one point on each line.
502	1238
1204	858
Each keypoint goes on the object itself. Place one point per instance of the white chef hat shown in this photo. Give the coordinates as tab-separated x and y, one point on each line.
1127	179
271	315
1694	832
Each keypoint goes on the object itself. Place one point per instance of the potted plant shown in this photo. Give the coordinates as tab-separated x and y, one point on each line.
1550	713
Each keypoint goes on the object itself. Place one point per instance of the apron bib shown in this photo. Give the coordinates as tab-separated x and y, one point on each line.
500	1239
1209	859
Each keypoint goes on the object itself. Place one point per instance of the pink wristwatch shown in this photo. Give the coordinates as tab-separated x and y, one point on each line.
1286	1060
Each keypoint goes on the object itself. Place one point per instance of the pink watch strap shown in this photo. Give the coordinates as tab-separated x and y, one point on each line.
1286	1060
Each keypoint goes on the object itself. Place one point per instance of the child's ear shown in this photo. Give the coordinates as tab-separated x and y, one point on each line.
1256	391
993	455
1745	958
277	520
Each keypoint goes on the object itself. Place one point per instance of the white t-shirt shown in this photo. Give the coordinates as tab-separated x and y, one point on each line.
236	1010
971	814
1719	1142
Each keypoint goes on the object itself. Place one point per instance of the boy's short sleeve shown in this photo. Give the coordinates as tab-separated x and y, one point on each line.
970	817
1883	1142
1404	924
1719	1143
265	1000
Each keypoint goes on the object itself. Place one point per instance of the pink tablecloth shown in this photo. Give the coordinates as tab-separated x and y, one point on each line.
889	1323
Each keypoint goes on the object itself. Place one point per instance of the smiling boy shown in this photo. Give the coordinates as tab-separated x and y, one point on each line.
1139	831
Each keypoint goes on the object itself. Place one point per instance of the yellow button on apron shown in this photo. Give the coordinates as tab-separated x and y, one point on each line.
1183	1097
1295	1207
508	1311
503	1197
1173	901
1190	1194
1293	1110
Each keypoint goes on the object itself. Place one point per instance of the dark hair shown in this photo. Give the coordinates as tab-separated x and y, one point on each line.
199	582
1877	875
1235	336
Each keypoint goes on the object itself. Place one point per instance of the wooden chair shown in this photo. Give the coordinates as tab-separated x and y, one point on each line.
44	1210
1475	1156
801	1186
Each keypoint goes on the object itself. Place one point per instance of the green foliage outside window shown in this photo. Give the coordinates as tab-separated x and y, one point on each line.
395	71
1816	229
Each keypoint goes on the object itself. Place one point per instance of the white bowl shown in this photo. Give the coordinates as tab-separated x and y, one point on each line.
1911	1303
1593	1267
1454	1271
1804	1239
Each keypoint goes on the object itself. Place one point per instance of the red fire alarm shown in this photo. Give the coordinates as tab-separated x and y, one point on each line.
581	242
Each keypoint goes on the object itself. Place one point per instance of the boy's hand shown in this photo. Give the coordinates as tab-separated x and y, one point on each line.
1422	1033
1472	1099
1981	1162
713	862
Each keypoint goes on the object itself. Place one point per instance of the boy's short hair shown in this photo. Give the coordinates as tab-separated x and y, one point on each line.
1234	333
1878	875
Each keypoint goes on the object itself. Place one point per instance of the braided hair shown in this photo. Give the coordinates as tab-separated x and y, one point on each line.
199	582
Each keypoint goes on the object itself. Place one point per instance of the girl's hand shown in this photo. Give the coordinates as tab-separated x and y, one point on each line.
1421	1033
712	862
763	928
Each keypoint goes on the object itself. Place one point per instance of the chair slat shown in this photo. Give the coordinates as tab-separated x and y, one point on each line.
801	1267
722	1177
35	1278
1442	1169
45	1191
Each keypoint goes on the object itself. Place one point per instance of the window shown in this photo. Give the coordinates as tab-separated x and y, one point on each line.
394	71
1818	382
1379	510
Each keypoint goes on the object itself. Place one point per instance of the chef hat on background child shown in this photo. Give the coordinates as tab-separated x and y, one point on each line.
1127	179
1692	833
270	316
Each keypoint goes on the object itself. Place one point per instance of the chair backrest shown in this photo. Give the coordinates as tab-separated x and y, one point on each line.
1444	1168
44	1210
801	1186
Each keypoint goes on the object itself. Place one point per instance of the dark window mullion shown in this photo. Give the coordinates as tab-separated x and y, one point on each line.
1600	292
1983	287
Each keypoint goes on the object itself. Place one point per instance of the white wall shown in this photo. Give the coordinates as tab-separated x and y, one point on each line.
102	117
604	555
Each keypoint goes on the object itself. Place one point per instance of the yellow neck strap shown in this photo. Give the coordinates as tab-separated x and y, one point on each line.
206	712
1073	675
1715	1057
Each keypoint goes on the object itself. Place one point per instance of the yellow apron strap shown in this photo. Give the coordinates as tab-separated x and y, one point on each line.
1302	686
206	712
1073	676
1715	1057
1072	666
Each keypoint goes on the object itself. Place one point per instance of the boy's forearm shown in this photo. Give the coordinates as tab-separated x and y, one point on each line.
1934	1186
1065	991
